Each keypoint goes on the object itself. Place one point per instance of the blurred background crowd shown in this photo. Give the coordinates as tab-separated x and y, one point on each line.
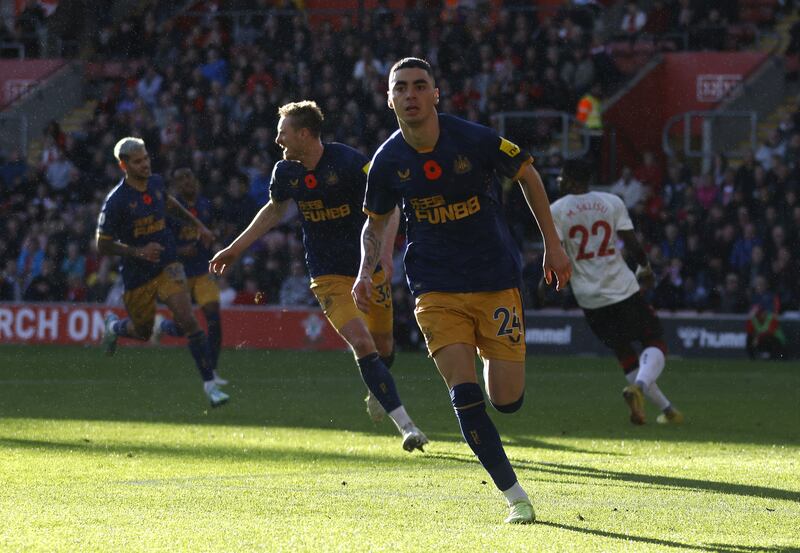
203	89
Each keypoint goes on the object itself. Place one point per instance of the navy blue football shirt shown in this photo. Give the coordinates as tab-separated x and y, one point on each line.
186	233
458	239
137	218
329	199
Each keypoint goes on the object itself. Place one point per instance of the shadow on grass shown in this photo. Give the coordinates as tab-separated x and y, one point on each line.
664	482
248	453
716	547
323	390
516	440
667	481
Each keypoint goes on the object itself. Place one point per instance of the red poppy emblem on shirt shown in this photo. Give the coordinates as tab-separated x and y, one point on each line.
311	181
432	170
147	199
193	211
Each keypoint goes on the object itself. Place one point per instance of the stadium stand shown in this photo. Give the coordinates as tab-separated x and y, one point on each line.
202	87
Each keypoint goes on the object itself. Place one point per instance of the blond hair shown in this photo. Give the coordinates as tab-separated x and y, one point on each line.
305	115
125	147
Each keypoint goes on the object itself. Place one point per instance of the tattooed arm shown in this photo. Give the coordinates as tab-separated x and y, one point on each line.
387	249
371	246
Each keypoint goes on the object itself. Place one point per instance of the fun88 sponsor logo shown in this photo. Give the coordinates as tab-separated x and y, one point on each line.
698	336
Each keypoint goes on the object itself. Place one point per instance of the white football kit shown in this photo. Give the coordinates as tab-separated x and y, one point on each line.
587	225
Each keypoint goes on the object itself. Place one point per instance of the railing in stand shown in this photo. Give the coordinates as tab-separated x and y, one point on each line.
711	141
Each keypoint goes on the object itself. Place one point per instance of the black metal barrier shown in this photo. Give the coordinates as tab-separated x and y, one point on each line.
687	335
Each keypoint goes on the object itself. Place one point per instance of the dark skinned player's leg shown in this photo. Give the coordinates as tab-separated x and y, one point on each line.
180	304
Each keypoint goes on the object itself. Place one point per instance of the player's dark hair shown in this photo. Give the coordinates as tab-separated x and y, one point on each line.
305	115
409	63
578	171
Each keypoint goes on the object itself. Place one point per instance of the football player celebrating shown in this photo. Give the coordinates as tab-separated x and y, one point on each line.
194	256
589	223
462	264
327	183
133	225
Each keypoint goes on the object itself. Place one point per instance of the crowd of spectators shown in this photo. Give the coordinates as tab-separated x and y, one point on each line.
23	35
205	91
727	240
697	25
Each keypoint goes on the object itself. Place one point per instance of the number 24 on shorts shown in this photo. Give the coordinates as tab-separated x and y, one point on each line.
509	323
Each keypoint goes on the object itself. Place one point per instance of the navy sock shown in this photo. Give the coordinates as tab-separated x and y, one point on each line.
170	327
120	328
388	360
480	433
198	345
512	407
379	381
214	336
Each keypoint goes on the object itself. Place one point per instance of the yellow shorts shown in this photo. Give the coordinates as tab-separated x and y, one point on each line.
490	321
204	289
141	302
333	295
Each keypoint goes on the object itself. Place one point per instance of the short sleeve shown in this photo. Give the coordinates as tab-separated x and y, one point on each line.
360	169
622	220
380	198
107	221
278	187
507	158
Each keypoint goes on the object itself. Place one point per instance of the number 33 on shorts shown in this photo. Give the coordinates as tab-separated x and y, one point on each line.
509	323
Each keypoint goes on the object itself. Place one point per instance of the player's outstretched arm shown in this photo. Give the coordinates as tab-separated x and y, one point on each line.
176	209
267	218
371	247
555	258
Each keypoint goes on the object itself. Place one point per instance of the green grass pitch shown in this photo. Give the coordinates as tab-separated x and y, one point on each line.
122	454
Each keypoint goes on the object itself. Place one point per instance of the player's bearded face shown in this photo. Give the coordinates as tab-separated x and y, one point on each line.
412	95
138	165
